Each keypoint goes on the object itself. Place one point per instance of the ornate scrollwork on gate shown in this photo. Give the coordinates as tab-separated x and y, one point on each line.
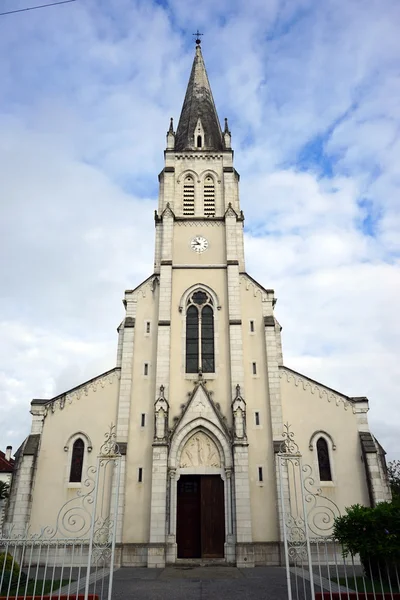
321	511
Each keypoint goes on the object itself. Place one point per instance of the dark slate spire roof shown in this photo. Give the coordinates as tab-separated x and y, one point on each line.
198	103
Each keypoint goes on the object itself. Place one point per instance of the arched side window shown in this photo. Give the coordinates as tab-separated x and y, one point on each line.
188	196
78	452
324	463
200	354
209	197
199	144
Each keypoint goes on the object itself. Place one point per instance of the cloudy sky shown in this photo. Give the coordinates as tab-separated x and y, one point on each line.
311	90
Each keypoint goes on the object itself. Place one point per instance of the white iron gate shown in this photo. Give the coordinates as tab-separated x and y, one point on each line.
307	519
76	556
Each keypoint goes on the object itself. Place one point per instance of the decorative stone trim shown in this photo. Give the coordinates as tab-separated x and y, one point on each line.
149	283
167	212
257	287
202	267
318	434
201	287
239	417
230	212
76	393
199	221
314	387
76	435
200	424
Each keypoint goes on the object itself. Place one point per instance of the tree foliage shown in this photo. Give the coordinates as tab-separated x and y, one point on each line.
4	490
393	469
370	531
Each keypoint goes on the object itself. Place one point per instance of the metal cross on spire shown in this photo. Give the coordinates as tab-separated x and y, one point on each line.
198	34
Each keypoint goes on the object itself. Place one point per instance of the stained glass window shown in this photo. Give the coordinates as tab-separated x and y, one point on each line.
200	334
199	298
192	340
323	460
207	340
78	451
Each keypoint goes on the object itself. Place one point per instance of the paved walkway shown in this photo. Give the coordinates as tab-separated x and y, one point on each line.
200	583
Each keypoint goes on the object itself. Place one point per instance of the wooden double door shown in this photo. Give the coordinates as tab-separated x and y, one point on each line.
200	516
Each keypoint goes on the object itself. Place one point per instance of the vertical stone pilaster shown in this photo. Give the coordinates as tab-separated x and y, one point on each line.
126	339
373	456
156	555
19	508
244	538
235	328
158	512
171	540
274	360
125	390
119	504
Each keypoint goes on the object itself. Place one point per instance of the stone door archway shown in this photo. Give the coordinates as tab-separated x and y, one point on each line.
197	451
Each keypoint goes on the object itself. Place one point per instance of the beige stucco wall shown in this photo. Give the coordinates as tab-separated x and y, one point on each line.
213	231
139	449
262	494
91	413
307	409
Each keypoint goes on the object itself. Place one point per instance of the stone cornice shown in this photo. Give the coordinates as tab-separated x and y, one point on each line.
265	294
76	393
148	284
315	387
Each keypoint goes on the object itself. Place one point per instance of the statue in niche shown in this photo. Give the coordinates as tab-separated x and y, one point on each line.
200	451
239	415
239	423
160	424
161	416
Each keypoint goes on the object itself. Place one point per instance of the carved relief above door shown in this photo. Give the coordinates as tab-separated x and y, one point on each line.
200	451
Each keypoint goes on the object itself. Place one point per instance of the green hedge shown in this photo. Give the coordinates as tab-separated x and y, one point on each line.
370	531
11	571
374	534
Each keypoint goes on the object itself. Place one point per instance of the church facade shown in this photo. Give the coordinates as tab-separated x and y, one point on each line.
200	393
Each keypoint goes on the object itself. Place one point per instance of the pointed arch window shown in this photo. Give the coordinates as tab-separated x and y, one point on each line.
324	464
188	196
199	144
78	451
200	354
209	197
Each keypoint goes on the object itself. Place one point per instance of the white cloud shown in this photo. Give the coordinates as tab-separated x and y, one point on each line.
87	92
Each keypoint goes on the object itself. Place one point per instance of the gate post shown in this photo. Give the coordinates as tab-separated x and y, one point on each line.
293	509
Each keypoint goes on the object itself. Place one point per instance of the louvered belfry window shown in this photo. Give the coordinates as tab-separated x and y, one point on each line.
188	196
323	460
200	334
209	197
78	450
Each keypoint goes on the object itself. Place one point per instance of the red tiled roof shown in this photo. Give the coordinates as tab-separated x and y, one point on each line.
5	465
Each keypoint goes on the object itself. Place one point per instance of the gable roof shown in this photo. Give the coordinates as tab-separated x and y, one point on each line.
6	466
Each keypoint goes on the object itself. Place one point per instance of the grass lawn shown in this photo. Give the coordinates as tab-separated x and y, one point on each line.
354	583
43	586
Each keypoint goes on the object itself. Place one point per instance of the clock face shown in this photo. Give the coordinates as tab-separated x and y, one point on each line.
199	244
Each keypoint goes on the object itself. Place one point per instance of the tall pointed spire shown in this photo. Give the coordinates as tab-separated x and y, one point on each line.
199	127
